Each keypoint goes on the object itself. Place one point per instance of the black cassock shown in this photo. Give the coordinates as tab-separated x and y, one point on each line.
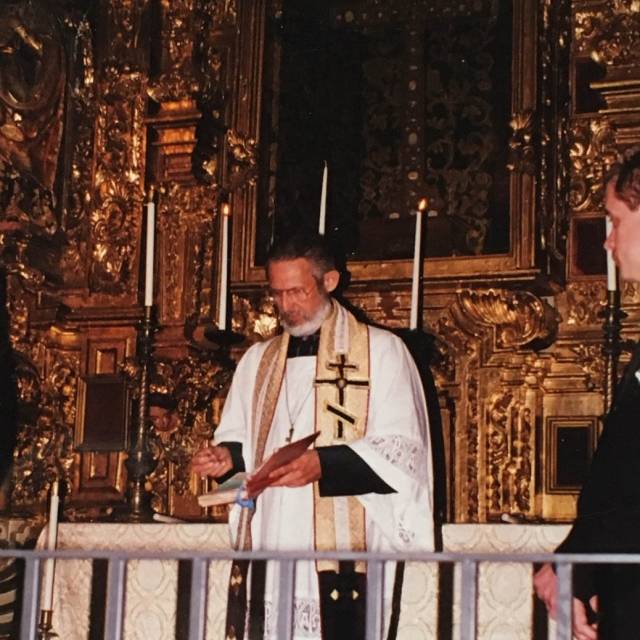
608	519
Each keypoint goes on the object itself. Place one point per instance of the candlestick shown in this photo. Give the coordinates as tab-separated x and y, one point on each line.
417	258
52	537
148	271
224	268
612	283
140	461
323	200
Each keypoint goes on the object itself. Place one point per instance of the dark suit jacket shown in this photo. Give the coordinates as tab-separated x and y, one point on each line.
608	517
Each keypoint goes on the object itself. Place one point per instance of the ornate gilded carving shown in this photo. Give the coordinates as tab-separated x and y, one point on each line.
195	383
499	416
118	195
522	152
592	154
470	435
592	361
509	447
585	302
608	32
176	80
256	321
517	318
125	50
243	158
32	81
45	440
77	201
223	12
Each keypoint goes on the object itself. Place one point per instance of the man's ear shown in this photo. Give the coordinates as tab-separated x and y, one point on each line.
330	280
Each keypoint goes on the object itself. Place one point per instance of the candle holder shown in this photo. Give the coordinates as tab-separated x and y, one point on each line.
140	461
613	316
45	627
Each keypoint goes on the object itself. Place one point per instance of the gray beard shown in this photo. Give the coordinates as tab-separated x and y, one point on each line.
310	326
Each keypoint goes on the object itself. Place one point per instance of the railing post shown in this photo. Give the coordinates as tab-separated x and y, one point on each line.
285	606
469	600
198	600
375	580
30	597
564	604
114	616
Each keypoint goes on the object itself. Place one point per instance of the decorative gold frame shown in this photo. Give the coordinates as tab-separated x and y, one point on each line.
552	427
521	263
88	409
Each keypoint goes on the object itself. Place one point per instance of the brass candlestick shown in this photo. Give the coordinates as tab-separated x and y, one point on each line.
45	627
612	325
140	462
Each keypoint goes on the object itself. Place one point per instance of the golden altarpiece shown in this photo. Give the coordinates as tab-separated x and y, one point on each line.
505	115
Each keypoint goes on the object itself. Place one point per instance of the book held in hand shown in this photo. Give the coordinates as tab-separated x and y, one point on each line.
248	486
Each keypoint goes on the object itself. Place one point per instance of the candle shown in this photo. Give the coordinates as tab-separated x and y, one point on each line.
612	284
52	536
148	271
224	268
417	256
323	200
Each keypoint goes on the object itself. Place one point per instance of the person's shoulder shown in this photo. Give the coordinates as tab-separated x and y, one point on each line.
255	351
385	341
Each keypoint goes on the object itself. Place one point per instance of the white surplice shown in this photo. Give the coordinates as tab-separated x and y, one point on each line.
396	446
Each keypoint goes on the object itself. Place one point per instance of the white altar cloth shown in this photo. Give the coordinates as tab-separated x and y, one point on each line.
505	607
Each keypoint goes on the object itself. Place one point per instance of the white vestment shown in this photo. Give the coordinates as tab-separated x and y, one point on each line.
396	446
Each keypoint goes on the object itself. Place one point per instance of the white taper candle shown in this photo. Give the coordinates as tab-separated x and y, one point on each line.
149	258
612	283
224	268
49	567
322	221
417	257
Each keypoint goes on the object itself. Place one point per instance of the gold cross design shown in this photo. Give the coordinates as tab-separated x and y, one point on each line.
341	382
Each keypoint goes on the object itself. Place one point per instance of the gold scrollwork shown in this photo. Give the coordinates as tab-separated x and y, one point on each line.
44	448
592	153
585	302
609	32
243	157
193	384
517	317
522	153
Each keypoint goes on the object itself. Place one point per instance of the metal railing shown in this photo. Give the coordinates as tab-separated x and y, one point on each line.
117	567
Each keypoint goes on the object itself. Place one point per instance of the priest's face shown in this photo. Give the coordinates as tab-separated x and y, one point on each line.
301	294
624	239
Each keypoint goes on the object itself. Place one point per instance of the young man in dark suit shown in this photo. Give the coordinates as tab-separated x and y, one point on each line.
607	598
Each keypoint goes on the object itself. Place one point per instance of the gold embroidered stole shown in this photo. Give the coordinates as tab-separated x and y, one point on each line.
342	401
341	416
269	379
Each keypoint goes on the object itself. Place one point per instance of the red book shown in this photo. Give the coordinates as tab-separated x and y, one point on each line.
250	486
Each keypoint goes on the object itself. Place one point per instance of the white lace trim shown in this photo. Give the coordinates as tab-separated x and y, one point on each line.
401	452
306	619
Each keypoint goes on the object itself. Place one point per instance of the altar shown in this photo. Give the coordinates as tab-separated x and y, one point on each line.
155	605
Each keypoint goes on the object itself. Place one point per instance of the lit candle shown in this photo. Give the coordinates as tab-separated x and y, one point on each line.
417	256
323	200
52	536
148	271
224	268
612	283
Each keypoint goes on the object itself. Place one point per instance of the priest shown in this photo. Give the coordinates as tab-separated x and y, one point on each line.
367	482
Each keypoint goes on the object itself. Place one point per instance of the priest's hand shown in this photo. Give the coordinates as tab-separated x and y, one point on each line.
545	583
301	471
212	461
